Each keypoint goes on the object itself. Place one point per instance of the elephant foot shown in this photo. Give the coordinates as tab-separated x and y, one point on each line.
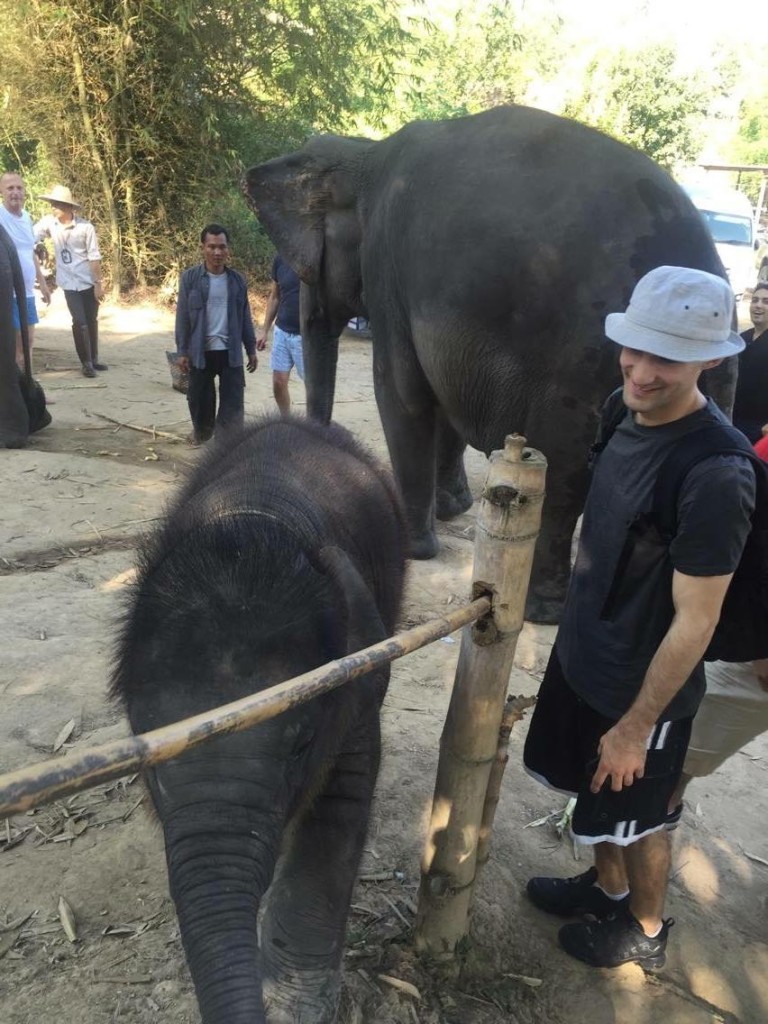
423	545
450	504
299	997
543	609
21	440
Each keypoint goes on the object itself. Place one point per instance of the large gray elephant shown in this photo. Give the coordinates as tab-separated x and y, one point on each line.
22	402
285	549
487	251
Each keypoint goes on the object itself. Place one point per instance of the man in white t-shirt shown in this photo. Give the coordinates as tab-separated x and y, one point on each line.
18	224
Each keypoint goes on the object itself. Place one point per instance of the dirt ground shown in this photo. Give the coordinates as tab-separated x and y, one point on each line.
73	504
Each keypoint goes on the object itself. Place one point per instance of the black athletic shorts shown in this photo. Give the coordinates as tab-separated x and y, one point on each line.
561	752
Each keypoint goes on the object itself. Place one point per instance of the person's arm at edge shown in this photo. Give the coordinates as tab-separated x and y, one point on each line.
45	292
94	261
697	602
249	335
273	304
41	229
182	324
98	281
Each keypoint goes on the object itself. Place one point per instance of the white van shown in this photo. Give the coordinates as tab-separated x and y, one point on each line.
731	221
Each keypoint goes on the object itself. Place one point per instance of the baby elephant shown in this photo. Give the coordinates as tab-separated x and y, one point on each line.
285	550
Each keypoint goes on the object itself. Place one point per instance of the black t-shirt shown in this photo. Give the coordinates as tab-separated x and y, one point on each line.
288	285
605	658
750	406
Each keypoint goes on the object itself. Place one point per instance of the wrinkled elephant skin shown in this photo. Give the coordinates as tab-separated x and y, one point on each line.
284	550
486	251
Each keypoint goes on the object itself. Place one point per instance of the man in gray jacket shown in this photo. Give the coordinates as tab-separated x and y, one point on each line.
213	325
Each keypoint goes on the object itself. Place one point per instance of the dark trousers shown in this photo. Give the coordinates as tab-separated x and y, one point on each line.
84	310
201	395
83	307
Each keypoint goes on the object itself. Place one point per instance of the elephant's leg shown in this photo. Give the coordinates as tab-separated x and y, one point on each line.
566	489
453	494
407	410
303	930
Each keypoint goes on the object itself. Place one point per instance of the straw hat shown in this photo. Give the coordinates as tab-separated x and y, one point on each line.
679	314
60	194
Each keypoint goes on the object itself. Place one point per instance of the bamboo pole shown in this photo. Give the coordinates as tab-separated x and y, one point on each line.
514	711
507	527
41	783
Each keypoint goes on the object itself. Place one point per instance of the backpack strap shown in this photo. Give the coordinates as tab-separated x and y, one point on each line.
611	415
692	448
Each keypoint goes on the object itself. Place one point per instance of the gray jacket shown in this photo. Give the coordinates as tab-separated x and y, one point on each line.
190	316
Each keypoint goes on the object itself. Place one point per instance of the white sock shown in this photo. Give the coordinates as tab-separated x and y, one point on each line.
610	895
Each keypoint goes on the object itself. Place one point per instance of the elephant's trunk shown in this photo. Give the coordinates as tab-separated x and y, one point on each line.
321	352
223	816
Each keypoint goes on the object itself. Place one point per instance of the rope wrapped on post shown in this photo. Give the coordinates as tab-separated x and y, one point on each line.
41	783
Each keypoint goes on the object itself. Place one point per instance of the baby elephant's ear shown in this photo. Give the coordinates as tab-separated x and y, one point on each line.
364	625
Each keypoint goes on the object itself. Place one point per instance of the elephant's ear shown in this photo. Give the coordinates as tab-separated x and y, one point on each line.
365	626
292	195
283	195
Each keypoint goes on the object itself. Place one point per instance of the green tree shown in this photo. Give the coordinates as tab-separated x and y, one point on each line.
150	108
640	98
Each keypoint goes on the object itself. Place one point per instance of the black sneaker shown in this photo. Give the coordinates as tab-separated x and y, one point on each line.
673	818
574	897
615	941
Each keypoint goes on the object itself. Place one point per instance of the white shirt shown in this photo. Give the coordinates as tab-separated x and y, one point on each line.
75	245
20	230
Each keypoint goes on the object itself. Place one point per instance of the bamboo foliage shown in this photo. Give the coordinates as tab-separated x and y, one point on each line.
149	109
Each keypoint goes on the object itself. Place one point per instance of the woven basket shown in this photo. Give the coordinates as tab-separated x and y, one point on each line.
179	377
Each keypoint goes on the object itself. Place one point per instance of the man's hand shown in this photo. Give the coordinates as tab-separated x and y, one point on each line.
253	362
98	291
622	756
45	294
183	363
261	339
764	429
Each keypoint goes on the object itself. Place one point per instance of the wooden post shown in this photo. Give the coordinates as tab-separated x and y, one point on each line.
514	711
507	526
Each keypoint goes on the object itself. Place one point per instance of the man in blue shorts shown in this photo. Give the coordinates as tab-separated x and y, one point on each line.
625	677
283	311
18	224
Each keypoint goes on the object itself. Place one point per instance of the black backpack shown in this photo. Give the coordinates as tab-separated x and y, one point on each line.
742	632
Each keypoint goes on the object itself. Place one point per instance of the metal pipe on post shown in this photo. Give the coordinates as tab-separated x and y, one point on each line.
507	526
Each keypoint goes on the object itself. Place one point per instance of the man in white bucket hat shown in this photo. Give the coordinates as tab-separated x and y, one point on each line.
78	271
625	677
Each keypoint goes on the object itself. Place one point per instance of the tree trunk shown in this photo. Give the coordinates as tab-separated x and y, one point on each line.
92	144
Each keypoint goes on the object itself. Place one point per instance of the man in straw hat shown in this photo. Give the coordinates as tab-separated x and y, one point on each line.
78	271
625	677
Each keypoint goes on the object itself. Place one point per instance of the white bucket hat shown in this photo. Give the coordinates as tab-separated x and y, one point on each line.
680	314
60	194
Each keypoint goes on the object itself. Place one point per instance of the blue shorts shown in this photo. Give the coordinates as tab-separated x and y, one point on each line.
286	352
32	317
